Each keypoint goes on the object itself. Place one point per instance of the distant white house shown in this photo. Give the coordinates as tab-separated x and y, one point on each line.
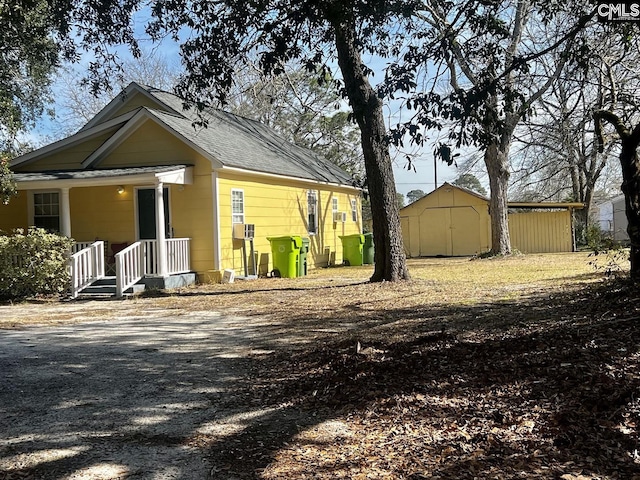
613	219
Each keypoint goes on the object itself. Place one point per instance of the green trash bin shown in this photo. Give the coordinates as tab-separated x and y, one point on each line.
368	250
286	255
352	249
302	264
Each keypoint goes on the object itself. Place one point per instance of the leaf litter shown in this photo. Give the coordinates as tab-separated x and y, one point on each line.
513	368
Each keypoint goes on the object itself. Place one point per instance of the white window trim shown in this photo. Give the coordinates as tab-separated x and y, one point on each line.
233	215
31	205
335	205
354	209
316	225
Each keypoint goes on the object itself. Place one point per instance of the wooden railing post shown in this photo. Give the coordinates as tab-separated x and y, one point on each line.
87	266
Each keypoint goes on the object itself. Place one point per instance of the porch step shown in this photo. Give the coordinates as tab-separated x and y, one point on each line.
109	281
106	287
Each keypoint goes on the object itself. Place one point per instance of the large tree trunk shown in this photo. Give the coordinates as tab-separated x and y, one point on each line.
390	261
630	163
497	161
631	188
582	215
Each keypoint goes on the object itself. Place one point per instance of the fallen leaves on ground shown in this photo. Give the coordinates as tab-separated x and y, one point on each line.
546	387
526	367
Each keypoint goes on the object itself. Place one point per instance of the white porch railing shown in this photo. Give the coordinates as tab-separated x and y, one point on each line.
87	266
76	247
178	258
130	269
132	263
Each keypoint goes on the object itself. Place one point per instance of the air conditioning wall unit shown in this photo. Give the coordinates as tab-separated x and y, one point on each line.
339	217
244	231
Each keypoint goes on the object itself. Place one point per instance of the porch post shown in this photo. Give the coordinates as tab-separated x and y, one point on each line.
65	213
160	233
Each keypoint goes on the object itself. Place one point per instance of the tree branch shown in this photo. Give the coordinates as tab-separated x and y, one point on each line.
613	119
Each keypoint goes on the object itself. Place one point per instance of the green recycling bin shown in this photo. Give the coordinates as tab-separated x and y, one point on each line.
352	249
286	255
368	250
302	263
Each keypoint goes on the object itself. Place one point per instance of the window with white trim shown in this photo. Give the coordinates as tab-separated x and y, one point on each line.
46	211
354	210
334	206
312	212
237	206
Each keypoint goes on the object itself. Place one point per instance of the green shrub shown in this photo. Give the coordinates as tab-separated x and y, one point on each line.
599	240
32	264
607	255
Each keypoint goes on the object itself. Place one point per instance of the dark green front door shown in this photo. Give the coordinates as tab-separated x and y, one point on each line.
147	213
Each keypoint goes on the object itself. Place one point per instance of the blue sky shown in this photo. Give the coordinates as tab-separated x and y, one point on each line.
421	176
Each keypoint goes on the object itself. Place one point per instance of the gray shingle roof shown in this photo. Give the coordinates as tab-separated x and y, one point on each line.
242	143
232	140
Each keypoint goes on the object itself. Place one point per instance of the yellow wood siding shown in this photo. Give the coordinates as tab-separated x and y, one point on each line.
190	206
117	216
151	144
68	159
101	213
192	217
276	206
15	214
541	232
279	207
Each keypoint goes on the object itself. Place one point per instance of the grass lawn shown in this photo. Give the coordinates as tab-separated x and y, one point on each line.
521	367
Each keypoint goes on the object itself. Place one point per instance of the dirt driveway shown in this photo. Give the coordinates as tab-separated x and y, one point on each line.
123	398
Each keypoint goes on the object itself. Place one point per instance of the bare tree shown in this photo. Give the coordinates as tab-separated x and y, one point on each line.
78	104
489	53
621	112
562	158
306	111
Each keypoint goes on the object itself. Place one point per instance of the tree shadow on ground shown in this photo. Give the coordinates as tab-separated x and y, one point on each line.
535	388
539	388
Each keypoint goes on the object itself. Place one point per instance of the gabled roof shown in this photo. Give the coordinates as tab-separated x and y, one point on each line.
164	100
617	199
449	185
466	190
523	205
227	140
249	145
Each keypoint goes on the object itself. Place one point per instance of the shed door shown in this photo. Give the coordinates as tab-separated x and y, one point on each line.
435	235
450	231
465	231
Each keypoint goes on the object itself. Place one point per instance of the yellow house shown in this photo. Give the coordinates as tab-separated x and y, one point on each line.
455	221
142	175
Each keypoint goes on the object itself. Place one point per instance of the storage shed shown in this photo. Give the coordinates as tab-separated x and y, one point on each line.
455	221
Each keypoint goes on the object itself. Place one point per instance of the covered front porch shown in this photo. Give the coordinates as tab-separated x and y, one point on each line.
127	212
